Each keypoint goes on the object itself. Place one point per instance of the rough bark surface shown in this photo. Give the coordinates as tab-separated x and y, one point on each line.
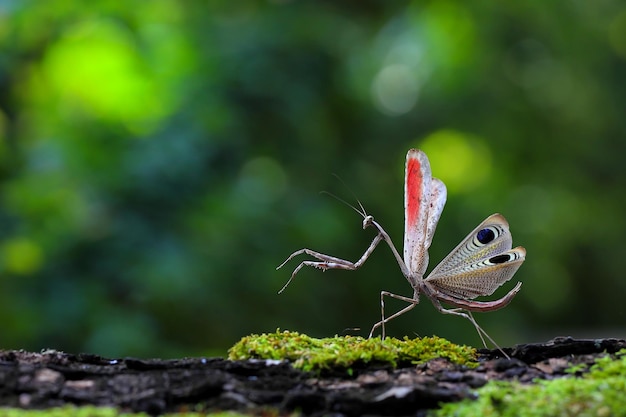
51	378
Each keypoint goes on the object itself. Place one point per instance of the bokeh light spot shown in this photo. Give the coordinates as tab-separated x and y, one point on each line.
617	34
460	160
395	90
450	35
22	256
4	124
97	69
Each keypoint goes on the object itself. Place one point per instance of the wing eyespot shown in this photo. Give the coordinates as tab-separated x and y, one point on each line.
485	236
500	259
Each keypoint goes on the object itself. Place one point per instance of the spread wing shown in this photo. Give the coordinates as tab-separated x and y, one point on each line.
481	263
424	199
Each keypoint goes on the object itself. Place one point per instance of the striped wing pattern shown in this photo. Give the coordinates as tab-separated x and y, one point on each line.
481	263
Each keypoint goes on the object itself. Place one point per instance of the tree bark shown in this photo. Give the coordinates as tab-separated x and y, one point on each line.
52	378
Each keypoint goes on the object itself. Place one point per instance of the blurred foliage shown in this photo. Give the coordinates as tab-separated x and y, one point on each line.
159	159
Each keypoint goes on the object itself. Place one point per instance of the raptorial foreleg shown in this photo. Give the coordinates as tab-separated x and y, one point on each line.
329	262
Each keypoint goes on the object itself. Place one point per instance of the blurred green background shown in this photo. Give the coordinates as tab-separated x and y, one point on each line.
159	159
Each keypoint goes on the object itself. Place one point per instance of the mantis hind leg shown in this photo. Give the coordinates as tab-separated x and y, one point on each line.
468	315
412	303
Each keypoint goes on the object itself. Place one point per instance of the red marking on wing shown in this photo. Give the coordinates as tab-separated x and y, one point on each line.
413	189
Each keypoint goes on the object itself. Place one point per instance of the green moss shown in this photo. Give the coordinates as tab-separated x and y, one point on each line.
67	411
600	392
310	354
91	411
607	367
